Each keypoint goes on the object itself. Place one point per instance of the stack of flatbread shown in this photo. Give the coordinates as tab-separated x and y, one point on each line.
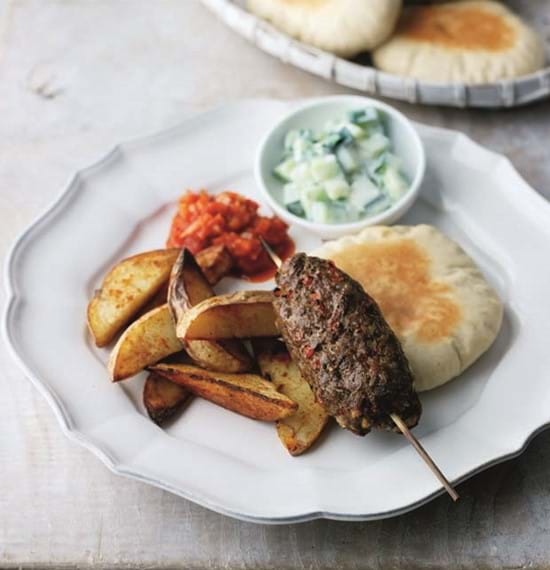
469	41
431	293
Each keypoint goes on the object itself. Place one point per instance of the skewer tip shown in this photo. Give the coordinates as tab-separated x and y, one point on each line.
277	261
425	456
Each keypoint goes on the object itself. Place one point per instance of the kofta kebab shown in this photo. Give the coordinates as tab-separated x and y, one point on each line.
346	351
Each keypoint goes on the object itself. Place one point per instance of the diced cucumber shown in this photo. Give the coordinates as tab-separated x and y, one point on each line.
378	206
374	145
320	213
313	193
354	131
318	149
290	137
296	208
374	128
302	173
394	184
377	165
342	212
291	193
302	149
348	159
310	196
363	116
363	192
324	167
284	170
331	141
346	136
337	188
343	173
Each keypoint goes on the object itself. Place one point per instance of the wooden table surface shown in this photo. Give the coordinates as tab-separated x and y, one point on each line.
76	77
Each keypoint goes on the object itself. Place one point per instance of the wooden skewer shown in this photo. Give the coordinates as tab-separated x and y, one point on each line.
277	261
424	455
396	419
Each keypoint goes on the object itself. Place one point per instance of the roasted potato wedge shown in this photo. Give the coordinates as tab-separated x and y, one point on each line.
130	285
188	287
246	314
247	394
299	431
216	262
160	298
162	398
146	341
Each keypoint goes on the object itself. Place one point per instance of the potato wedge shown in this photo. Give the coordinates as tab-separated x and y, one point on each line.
159	299
146	341
299	431
216	262
162	398
245	314
125	289
247	394
188	287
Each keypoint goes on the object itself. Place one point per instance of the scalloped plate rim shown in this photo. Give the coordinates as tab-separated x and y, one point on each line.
63	415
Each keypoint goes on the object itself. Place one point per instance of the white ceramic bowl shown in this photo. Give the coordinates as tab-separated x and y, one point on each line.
406	144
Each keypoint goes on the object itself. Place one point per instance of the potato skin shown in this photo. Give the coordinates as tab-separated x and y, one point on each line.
245	314
163	399
249	395
188	287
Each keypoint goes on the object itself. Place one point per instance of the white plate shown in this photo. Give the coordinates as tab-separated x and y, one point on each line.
231	464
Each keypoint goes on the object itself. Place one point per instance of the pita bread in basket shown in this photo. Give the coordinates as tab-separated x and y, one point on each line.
430	291
472	41
343	27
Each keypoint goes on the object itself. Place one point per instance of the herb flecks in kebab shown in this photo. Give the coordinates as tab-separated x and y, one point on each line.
343	346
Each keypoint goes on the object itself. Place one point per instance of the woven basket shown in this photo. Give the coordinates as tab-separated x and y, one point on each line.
509	93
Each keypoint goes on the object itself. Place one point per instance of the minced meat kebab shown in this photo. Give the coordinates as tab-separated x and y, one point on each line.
343	346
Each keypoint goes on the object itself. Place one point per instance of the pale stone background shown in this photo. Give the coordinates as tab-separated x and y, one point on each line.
78	76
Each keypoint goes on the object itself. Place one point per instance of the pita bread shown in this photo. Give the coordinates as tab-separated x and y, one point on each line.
344	27
431	293
468	42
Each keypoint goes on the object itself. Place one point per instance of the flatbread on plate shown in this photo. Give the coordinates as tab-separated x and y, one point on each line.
430	291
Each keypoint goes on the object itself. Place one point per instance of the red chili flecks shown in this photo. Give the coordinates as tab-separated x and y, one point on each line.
309	351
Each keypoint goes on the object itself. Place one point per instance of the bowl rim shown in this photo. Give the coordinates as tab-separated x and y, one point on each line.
403	203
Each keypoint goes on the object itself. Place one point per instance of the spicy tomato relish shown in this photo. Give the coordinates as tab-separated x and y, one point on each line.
229	219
